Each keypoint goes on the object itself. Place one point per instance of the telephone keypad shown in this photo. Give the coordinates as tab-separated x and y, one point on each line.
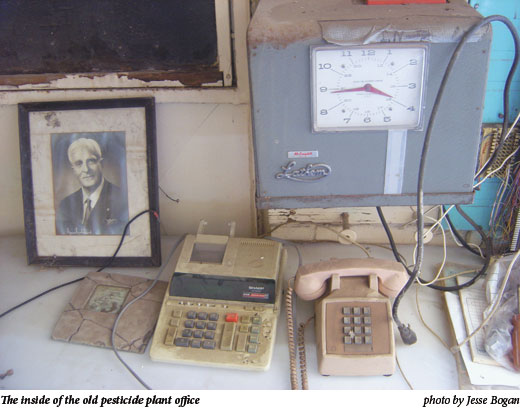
361	333
198	329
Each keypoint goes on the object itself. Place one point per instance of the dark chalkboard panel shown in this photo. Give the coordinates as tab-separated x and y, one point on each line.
97	36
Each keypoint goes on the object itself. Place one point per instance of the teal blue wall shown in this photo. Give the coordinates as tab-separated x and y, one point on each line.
502	52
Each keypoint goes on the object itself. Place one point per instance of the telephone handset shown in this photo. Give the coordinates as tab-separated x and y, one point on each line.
354	332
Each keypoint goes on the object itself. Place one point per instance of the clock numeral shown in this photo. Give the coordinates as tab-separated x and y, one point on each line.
367	119
412	86
346	53
365	53
347	120
324	112
411	108
323	89
325	66
413	61
387	119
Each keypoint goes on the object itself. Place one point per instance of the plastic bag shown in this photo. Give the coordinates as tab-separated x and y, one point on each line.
497	332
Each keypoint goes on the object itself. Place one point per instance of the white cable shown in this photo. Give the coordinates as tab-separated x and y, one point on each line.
439	271
439	220
505	138
112	335
505	161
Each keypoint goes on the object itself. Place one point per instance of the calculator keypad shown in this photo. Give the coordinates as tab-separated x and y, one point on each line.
211	330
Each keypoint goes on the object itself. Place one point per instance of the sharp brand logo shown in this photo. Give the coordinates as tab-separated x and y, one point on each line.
309	173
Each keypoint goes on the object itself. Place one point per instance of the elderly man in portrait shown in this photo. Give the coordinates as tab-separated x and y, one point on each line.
98	207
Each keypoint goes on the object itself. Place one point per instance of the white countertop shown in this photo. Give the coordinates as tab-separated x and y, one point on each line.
38	362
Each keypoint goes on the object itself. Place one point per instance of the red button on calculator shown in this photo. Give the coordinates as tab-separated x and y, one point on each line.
232	317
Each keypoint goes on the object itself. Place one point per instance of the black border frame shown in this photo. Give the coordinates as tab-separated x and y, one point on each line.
24	109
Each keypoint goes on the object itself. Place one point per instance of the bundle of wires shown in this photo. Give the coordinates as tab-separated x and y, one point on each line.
505	218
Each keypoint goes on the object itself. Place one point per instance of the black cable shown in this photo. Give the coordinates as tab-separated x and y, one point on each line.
112	258
457	234
106	265
41	294
407	334
398	258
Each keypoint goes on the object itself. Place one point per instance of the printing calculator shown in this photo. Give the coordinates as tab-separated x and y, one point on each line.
222	303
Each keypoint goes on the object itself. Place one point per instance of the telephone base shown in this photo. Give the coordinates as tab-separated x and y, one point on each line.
355	336
360	366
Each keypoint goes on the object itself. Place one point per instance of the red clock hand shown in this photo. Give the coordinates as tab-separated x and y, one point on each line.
349	90
367	87
374	90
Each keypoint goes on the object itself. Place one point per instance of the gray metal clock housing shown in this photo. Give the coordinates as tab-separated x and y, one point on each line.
297	167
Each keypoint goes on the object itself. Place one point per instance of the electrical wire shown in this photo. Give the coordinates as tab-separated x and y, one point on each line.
507	87
317	226
456	233
114	328
420	281
398	258
168	196
402	373
407	335
40	295
505	126
424	322
106	265
345	237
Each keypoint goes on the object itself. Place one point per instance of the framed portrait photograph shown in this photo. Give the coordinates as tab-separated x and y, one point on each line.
88	168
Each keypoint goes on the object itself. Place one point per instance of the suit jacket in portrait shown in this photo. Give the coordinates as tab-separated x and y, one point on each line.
108	217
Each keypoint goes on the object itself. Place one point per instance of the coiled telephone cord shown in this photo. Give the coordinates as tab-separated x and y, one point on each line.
302	356
293	347
290	334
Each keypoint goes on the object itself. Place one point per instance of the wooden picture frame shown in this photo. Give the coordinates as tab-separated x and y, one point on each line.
95	154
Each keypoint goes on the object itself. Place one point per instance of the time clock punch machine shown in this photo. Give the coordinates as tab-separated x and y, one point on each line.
342	93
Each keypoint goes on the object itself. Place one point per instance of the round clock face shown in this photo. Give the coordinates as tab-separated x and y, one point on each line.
378	86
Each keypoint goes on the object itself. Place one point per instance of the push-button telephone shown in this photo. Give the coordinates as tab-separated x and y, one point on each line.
354	332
